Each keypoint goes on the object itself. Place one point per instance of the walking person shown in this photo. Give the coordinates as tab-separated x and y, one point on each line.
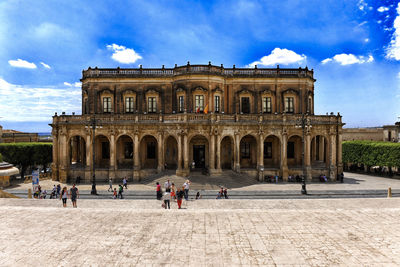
186	188
167	186
120	190
115	193
158	191
226	193
110	185
58	190
167	199
179	196
173	190
64	196
125	183
74	195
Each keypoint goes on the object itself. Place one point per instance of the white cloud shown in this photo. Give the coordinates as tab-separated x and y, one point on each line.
67	84
348	59
78	84
19	63
45	65
36	103
122	54
280	56
393	50
382	9
366	40
362	5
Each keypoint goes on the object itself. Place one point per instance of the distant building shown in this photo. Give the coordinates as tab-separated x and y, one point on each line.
196	117
385	133
12	136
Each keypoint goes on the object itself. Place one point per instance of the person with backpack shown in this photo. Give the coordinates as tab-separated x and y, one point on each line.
120	191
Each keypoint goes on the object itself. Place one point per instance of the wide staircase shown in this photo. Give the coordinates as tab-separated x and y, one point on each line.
227	179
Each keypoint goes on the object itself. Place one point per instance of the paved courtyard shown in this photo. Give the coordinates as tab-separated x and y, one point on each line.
306	232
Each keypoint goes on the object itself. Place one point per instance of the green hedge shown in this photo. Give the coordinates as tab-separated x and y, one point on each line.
372	153
1	158
24	155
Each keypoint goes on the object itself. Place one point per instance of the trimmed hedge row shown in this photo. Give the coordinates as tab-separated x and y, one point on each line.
24	155
371	153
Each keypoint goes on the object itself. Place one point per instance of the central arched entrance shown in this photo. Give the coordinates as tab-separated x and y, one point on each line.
272	152
227	153
198	152
124	152
294	152
148	152
319	152
102	152
171	153
248	152
77	152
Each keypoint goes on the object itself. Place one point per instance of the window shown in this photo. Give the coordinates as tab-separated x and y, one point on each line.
152	106
290	150
129	104
266	105
105	150
199	103
309	104
85	106
245	150
245	105
151	150
181	104
128	150
289	104
107	104
217	104
268	150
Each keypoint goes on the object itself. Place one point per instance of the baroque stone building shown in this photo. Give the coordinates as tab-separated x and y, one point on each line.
192	117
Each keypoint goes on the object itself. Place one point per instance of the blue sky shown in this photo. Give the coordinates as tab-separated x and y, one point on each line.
353	47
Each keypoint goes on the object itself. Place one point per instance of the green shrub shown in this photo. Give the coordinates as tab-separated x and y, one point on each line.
24	155
1	158
372	153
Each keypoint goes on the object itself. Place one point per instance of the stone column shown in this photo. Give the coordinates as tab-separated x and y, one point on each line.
332	158
89	151
54	165
321	150
307	157
186	169
284	167
63	158
212	153
314	149
160	152
237	152
112	156
260	160
179	163
339	153
218	160
74	148
136	158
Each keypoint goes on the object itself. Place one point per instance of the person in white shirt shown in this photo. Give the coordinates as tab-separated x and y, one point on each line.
167	199
186	188
167	186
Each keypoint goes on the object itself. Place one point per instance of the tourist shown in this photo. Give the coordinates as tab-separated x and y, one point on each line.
290	178
298	179
198	196
110	185
58	190
64	196
158	191
325	179
179	196
186	188
219	194
276	179
167	186
115	193
193	165
74	195
226	193
167	198
120	191
44	194
53	193
125	183
173	190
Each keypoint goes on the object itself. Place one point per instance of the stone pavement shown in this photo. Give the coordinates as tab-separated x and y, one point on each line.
324	232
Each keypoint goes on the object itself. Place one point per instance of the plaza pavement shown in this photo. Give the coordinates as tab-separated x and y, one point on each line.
317	232
355	185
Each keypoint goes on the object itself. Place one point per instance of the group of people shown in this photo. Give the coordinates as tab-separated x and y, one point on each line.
222	193
172	193
120	188
73	194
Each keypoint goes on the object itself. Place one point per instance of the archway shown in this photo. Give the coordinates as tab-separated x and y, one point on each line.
124	152
148	152
199	152
248	152
102	152
171	153
77	152
272	152
294	152
319	151
227	153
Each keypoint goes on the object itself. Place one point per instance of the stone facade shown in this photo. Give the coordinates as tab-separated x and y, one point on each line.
369	134
207	117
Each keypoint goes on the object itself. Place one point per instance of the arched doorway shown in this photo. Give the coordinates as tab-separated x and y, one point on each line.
272	152
227	153
248	152
171	153
148	152
124	152
77	152
294	152
102	152
319	151
198	153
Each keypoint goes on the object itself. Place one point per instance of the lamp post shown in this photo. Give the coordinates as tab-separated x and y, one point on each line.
93	125
304	124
